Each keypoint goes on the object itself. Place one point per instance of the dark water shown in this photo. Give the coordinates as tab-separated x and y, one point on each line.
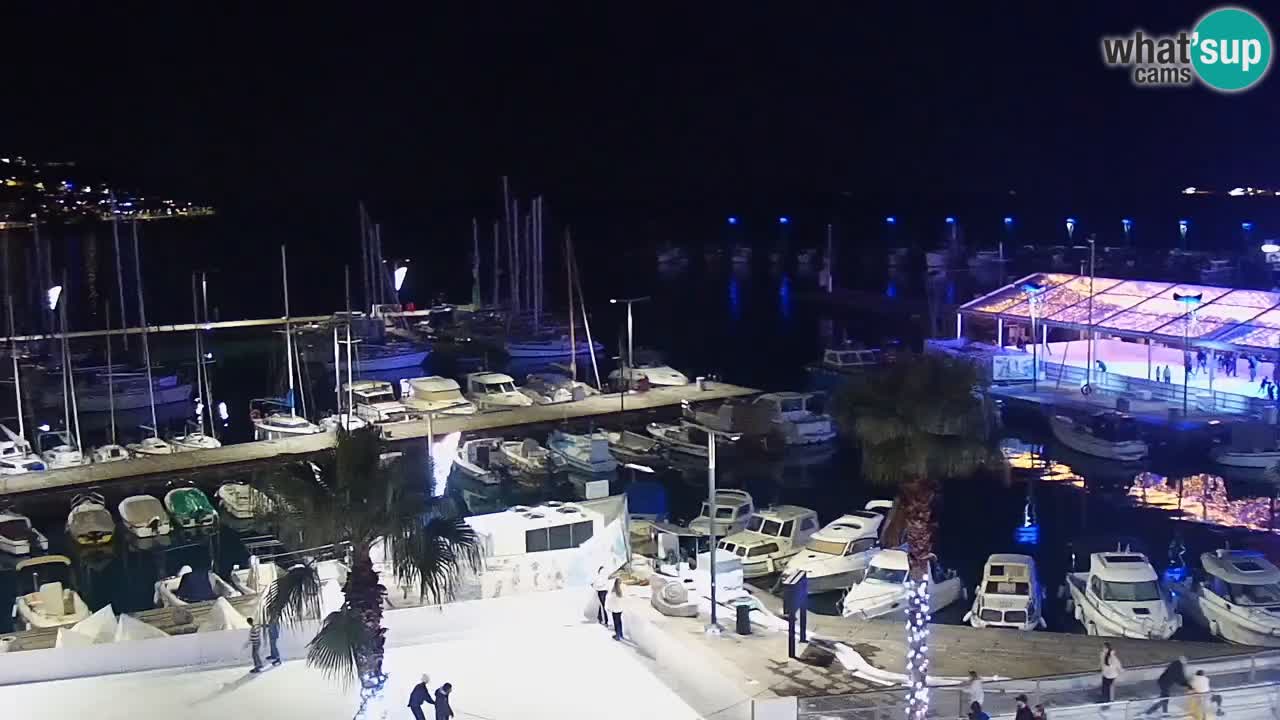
753	326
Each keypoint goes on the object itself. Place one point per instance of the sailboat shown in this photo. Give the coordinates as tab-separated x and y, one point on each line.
152	445
280	425
195	437
16	457
62	449
111	452
346	420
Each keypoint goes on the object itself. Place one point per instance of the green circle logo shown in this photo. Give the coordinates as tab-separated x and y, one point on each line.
1231	49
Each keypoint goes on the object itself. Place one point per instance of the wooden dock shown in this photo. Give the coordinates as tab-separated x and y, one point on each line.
173	621
239	456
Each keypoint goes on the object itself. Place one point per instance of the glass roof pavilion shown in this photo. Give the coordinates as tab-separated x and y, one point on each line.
1224	318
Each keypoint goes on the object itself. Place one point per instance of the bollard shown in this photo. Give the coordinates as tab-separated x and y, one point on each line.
744	619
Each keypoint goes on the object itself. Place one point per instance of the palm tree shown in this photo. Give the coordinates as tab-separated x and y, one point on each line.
918	420
357	498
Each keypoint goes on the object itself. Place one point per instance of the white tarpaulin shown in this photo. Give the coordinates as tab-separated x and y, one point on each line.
222	616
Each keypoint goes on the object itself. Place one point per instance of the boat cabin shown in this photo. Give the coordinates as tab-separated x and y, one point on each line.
486	388
1113	427
771	537
792	405
1009	595
1241	577
733	509
376	402
435	393
851	359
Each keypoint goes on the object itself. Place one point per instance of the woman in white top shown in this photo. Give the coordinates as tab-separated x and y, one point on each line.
1111	669
1199	700
613	603
601	584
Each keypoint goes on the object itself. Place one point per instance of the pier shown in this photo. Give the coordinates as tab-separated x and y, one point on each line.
242	455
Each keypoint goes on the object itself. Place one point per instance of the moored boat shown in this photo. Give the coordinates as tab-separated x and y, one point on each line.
1236	597
89	521
883	589
18	536
527	456
192	586
837	555
144	516
1110	435
52	603
1120	596
476	457
189	507
242	501
588	453
1009	596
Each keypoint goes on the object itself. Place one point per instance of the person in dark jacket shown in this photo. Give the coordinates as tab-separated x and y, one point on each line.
420	694
1024	709
443	710
976	712
1175	674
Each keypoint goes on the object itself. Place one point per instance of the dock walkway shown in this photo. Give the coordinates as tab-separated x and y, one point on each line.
242	455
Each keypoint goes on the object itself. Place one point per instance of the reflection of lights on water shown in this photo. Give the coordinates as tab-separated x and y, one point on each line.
1202	498
443	451
222	410
1050	470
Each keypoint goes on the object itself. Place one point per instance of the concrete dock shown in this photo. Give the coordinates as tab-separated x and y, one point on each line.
244	455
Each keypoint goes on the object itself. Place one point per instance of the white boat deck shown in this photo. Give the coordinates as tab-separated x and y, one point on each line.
265	450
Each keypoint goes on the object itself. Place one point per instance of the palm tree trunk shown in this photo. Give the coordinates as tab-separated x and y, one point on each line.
917	498
364	595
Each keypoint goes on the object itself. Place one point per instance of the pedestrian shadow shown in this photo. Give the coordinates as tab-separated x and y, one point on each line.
228	687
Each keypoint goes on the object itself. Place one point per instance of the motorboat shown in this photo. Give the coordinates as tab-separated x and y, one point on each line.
648	367
100	391
1252	445
588	453
58	450
18	536
1009	596
495	391
89	522
836	556
548	388
883	589
375	402
1120	596
333	421
733	509
1236	597
194	439
476	458
388	356
144	516
771	538
242	501
1254	459
189	507
527	456
190	586
846	361
109	453
51	604
16	457
795	420
435	394
151	446
685	438
275	420
1109	434
550	347
632	446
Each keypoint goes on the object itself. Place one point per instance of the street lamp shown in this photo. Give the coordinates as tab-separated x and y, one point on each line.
630	330
713	627
1192	302
1127	224
1182	232
1033	294
1071	228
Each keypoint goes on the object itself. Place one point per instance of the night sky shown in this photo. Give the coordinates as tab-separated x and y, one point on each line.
655	109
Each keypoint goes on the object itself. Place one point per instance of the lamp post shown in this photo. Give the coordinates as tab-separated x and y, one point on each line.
1246	228
1127	225
1192	302
1008	231
1088	375
1033	294
1071	228
713	627
630	333
1182	232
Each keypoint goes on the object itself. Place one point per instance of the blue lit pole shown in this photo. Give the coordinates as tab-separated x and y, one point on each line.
1192	303
1246	228
1033	295
1182	233
1008	232
1127	224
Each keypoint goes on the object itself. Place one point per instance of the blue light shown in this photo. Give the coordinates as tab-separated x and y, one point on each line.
733	219
1029	535
784	220
1246	226
891	220
1182	224
951	220
1127	223
891	290
1008	221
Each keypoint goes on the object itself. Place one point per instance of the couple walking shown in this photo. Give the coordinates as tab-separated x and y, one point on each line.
609	594
421	694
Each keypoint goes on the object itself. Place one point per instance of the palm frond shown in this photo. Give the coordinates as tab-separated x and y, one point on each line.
432	551
295	596
336	650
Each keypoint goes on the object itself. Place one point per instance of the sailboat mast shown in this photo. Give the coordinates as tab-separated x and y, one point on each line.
586	322
506	211
208	380
364	252
288	336
350	391
66	363
111	385
146	344
573	339
195	311
17	382
517	269
115	240
476	300
496	257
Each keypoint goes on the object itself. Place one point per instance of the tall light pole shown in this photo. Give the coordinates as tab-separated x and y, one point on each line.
1033	294
1088	375
713	627
1183	225
1071	228
1192	303
1127	224
630	333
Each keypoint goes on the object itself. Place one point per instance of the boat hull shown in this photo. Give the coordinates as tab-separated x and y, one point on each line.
1257	461
96	403
390	362
1126	451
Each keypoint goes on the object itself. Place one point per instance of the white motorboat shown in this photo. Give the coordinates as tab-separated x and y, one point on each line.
89	523
59	451
686	438
282	425
547	388
550	347
16	457
1255	459
1009	596
242	501
388	356
95	388
1120	596
190	508
18	536
1110	435
351	423
733	509
1236	598
588	453
477	458
495	391
375	402
144	516
1252	445
527	456
151	446
793	418
837	555
846	361
194	439
883	589
51	604
771	538
109	454
632	446
190	586
435	394
649	368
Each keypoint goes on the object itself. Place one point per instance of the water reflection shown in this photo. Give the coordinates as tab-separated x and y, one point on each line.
1203	498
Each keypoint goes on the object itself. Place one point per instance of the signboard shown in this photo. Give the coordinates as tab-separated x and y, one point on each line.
1005	368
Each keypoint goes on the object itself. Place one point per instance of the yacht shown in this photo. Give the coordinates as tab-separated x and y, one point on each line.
550	347
632	446
1120	596
95	389
195	439
388	356
435	394
685	438
1242	458
588	453
375	402
16	457
1236	597
1109	434
108	454
795	420
1251	445
190	586
144	516
733	509
89	522
844	361
548	388
280	426
883	590
527	456
650	368
837	555
18	536
771	538
495	391
1009	595
59	451
51	604
476	458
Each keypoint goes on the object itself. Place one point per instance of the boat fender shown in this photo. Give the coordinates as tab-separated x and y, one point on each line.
1086	389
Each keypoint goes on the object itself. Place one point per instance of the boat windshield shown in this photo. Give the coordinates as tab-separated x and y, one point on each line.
1249	595
764	527
885	575
499	388
791	405
378	396
1145	591
826	547
723	512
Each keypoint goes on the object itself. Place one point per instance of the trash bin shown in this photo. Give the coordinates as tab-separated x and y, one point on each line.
744	619
1122	404
702	382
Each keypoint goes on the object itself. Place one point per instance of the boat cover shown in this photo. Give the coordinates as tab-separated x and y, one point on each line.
195	587
17	530
99	627
131	628
190	502
222	616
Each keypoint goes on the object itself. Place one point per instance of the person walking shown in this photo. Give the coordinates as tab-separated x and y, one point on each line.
1199	701
976	712
1253	368
1175	674
444	711
1168	375
1039	714
1024	709
613	603
974	689
601	584
273	640
420	694
1111	669
255	645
